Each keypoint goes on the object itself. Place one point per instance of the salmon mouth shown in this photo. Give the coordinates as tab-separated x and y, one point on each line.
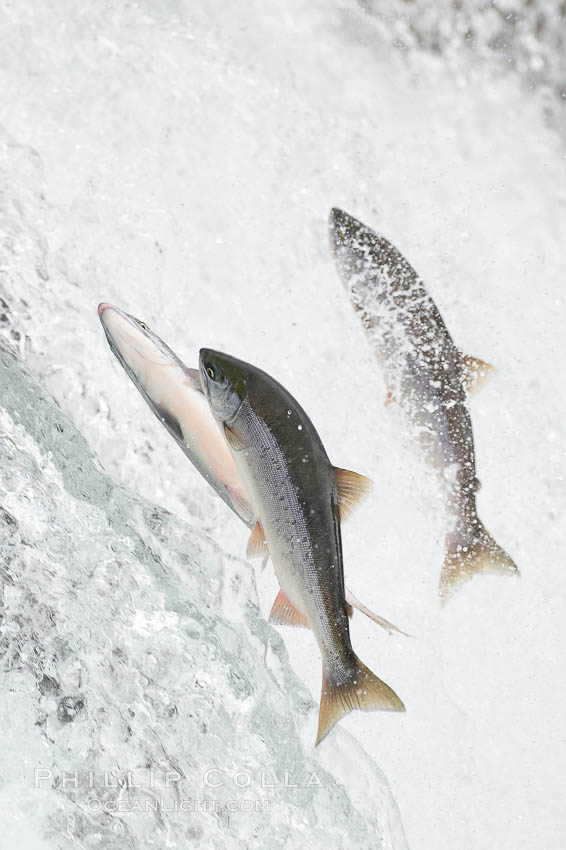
125	336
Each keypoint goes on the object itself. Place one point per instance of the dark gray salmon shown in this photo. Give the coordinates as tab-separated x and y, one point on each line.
293	491
427	376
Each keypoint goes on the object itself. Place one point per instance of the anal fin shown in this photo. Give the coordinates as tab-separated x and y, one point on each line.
284	613
257	545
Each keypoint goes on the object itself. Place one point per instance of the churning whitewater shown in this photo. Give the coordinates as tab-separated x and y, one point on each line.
180	160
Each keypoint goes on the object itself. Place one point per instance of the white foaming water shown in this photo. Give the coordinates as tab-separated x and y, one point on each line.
181	162
145	701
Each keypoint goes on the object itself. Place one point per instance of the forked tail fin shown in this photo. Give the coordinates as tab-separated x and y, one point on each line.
360	689
466	556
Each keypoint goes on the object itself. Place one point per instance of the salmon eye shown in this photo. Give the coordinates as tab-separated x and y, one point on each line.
210	372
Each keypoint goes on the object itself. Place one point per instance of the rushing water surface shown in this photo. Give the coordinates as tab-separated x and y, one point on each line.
180	160
145	702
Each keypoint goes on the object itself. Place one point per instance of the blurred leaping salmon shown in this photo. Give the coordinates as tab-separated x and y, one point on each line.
293	490
428	376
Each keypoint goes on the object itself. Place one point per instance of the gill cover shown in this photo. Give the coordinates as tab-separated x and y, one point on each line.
223	383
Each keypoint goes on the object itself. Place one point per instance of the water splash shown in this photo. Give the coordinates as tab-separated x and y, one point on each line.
144	700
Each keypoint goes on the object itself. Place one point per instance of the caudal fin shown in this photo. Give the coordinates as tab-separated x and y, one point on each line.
466	556
359	689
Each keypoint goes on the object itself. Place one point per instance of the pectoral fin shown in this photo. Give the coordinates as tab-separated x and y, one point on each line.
257	545
389	398
352	490
284	612
474	372
192	377
241	504
232	439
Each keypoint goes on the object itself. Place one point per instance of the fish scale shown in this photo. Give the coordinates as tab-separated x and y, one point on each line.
289	533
